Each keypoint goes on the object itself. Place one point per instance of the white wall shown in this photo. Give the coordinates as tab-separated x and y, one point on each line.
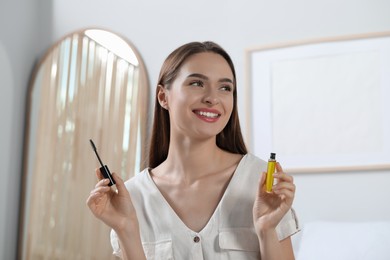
156	28
21	44
5	141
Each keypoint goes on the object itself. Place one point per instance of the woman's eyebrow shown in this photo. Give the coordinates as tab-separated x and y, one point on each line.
204	77
198	75
226	80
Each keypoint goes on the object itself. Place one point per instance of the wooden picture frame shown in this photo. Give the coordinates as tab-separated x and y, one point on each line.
321	105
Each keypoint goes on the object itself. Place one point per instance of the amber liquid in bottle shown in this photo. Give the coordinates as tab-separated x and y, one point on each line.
270	171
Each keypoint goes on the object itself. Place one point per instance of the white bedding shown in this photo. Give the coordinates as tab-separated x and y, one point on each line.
345	241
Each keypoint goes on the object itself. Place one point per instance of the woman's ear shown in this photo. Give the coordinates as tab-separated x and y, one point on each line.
162	96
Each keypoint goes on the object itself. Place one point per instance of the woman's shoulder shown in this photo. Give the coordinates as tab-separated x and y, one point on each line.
252	161
138	180
250	168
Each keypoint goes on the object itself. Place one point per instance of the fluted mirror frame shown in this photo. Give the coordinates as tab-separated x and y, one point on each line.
80	90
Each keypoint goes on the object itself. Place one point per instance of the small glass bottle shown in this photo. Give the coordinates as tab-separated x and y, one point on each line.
270	173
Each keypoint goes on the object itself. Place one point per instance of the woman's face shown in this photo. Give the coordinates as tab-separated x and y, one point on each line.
200	100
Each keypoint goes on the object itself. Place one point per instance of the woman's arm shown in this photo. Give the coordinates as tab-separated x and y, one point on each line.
130	242
116	210
268	211
271	248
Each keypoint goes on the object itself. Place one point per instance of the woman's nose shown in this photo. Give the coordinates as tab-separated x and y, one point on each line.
210	98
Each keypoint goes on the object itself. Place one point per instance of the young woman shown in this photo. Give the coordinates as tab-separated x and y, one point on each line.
203	195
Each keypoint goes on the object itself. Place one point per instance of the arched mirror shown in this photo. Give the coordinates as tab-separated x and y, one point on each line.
92	84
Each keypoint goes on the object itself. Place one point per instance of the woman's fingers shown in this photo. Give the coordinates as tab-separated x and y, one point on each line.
102	182
284	181
283	177
101	189
93	198
278	167
120	185
99	174
285	186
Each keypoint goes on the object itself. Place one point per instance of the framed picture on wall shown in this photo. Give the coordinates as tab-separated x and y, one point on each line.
321	105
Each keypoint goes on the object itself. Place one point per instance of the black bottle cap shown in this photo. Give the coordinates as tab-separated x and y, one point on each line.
273	156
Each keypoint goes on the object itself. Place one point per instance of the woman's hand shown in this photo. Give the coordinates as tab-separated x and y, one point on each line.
114	208
269	208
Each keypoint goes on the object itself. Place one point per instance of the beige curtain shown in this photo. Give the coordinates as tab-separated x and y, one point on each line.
87	92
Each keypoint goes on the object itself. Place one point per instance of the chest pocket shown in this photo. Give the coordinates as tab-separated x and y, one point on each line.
240	242
159	250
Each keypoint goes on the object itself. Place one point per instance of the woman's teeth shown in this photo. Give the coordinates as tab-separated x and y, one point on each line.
208	114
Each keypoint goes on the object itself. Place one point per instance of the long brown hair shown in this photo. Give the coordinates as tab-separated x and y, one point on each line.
230	139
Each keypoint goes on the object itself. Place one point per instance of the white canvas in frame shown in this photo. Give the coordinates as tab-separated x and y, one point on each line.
322	105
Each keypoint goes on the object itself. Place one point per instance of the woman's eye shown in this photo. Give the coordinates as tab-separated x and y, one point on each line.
197	83
226	88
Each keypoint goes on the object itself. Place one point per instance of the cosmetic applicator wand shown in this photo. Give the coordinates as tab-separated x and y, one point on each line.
104	168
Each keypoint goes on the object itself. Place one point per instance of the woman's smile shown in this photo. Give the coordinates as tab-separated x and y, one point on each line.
207	115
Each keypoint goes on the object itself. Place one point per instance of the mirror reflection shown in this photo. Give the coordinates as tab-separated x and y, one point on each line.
90	85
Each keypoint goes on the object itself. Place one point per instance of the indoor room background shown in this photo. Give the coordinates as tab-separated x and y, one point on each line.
29	27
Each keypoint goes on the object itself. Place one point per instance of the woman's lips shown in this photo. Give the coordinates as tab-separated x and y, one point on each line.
208	115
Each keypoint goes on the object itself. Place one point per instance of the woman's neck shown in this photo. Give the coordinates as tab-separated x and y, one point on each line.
189	160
